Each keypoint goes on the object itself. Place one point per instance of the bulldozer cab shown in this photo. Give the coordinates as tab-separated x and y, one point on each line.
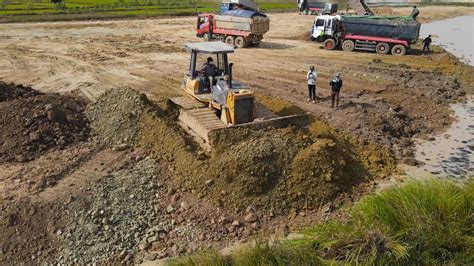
225	102
198	80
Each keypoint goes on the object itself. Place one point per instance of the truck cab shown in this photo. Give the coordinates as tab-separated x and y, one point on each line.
204	25
324	27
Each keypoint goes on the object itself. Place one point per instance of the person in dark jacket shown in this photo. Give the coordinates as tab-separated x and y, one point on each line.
336	85
415	12
426	43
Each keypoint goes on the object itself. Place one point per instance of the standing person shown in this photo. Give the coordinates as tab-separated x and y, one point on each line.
415	12
336	85
311	77
426	43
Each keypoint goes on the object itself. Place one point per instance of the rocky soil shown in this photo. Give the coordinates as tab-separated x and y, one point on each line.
115	115
140	189
32	122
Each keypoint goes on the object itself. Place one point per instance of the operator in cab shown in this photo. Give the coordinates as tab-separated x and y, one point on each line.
209	70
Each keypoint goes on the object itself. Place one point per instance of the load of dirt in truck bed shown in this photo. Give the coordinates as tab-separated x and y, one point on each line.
33	123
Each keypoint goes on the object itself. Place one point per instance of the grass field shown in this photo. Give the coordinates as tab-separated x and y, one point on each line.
421	223
32	10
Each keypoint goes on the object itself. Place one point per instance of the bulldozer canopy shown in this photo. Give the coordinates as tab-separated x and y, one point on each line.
209	47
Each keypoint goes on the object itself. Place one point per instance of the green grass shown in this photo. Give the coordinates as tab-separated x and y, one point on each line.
33	10
420	223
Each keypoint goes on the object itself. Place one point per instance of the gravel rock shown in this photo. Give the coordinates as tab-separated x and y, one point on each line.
115	222
250	218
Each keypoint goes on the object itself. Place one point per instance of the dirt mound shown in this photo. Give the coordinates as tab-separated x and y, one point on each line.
305	36
246	165
12	91
32	125
115	116
321	171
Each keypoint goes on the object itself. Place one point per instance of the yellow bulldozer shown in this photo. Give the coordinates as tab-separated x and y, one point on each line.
215	101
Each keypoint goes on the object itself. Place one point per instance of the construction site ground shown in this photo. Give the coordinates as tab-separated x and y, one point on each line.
113	179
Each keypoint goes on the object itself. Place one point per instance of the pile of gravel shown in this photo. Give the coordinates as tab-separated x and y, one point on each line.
115	116
123	207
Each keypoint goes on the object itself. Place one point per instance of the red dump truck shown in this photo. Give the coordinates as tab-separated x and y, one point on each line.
240	28
369	33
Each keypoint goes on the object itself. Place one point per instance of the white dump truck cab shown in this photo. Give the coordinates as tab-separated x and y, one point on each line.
325	26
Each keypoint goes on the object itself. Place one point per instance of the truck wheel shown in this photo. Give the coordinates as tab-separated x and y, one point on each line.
330	44
230	40
240	42
206	37
382	48
399	49
348	45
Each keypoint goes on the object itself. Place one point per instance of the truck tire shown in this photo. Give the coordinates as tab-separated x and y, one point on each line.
399	50
229	40
348	45
206	37
382	48
330	44
240	42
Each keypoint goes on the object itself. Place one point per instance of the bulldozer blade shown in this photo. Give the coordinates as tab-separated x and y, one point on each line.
199	121
298	120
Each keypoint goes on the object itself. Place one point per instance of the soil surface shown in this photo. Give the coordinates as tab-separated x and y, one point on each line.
32	122
128	185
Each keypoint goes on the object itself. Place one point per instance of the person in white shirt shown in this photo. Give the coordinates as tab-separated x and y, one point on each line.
311	77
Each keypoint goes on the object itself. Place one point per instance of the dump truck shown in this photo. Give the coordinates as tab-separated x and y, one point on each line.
238	27
381	34
316	7
218	102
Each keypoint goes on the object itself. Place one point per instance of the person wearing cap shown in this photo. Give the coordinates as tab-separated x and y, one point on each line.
415	12
336	85
311	77
426	43
209	69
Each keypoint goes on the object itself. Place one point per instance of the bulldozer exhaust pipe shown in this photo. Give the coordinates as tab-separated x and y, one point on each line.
230	74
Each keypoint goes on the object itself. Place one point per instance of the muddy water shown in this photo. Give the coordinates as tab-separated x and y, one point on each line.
451	154
456	35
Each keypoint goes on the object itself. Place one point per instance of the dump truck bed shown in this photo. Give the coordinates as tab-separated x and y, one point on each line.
243	20
402	28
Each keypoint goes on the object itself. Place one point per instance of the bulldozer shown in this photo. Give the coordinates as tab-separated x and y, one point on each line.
217	101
